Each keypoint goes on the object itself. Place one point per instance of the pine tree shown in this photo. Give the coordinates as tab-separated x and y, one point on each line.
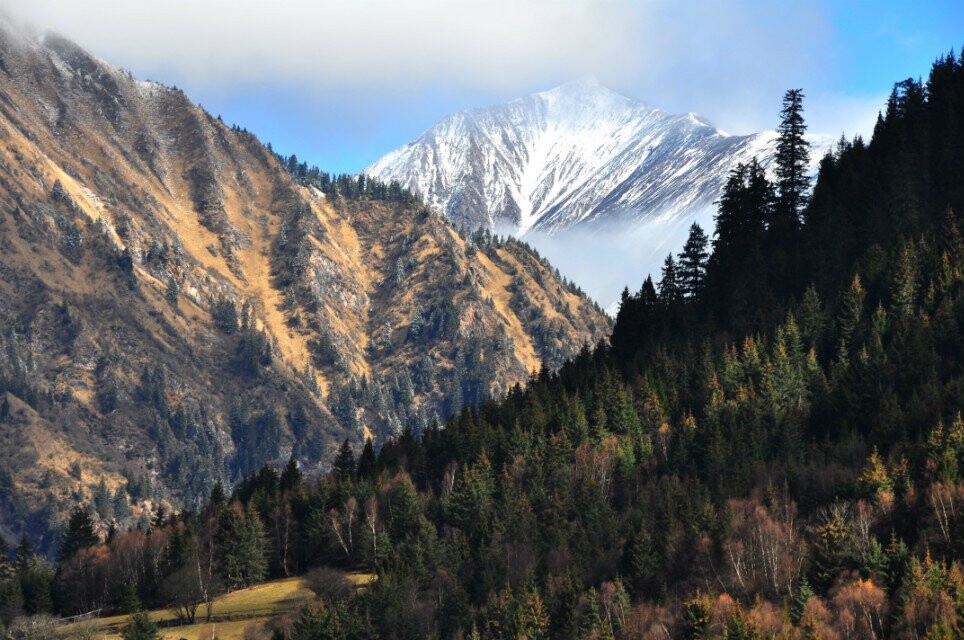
738	267
344	465
697	618
792	159
36	580
241	544
745	209
905	282
229	539
140	627
592	626
800	597
849	318
367	463
218	497
103	500
225	315
669	287
11	602
739	628
811	318
23	555
897	562
641	565
648	295
830	549
78	536
760	197
256	543
121	504
173	292
291	476
692	262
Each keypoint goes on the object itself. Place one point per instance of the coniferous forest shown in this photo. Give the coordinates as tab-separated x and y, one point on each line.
769	446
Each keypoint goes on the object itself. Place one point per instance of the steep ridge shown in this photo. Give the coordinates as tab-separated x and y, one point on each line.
176	310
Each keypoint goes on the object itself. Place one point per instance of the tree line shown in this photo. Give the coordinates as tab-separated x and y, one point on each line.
346	185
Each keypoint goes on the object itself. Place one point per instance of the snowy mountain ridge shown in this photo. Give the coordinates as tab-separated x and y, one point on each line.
576	155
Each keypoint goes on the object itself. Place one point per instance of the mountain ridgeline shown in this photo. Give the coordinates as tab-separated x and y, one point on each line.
775	452
176	309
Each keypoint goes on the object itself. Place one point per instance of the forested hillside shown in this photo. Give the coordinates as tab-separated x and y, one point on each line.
771	449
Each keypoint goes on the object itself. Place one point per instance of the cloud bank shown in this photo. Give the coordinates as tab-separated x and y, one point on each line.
728	61
360	43
610	258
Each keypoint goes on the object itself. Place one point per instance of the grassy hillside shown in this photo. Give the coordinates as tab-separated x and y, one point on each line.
232	616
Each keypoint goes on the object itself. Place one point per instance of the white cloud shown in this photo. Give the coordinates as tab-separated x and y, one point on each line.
608	259
849	115
728	61
359	43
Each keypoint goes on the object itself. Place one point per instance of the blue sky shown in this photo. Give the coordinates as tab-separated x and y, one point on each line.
340	84
883	42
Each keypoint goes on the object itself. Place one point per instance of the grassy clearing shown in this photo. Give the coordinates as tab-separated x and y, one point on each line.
230	630
234	613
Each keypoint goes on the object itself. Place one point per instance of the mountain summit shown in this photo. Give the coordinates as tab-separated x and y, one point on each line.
576	155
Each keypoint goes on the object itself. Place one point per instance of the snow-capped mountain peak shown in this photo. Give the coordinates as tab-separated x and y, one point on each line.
572	155
579	156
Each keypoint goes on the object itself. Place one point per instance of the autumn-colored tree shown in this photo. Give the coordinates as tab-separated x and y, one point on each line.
831	546
697	618
861	608
532	616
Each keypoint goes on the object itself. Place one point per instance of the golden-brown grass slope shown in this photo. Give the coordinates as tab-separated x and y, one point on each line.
128	214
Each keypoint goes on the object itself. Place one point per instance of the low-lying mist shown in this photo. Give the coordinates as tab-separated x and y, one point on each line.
605	259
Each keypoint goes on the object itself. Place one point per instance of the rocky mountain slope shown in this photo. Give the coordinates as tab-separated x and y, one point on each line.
176	310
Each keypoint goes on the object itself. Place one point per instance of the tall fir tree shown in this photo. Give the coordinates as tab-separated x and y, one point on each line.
344	465
849	317
738	268
792	160
697	618
23	556
745	210
648	296
367	461
241	543
79	535
256	543
291	476
692	262
669	287
532	616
